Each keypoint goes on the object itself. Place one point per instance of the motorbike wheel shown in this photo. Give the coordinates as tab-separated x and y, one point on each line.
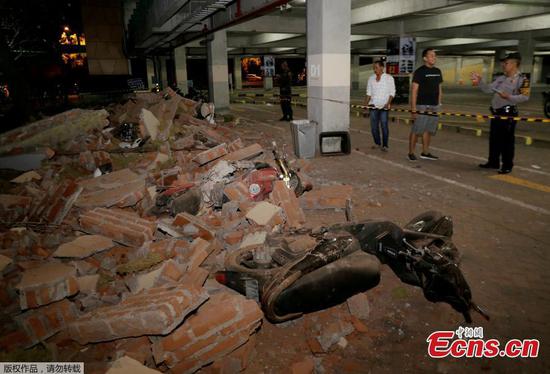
242	261
547	106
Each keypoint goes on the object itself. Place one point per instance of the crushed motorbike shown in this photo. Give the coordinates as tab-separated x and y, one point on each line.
344	259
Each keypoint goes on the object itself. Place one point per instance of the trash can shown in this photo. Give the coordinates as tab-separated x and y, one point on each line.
304	136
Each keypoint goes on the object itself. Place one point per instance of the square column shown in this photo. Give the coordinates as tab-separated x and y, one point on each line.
218	82
526	48
237	73
150	73
355	72
180	56
328	60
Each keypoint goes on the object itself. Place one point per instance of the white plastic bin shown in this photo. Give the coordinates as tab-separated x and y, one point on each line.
304	133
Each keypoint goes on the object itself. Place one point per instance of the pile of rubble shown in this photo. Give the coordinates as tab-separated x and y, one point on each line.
108	247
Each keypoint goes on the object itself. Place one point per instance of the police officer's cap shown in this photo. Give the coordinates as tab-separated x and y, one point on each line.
511	56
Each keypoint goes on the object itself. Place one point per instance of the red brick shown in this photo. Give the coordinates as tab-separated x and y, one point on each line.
171	271
233	237
330	197
14	340
146	313
211	154
201	336
118	225
237	191
307	366
286	199
204	231
46	321
245	153
195	277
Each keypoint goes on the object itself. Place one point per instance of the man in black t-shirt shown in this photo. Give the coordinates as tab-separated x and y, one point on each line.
426	97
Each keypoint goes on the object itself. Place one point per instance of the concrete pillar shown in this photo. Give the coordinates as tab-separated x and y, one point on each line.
150	73
497	67
328	60
218	84
268	83
536	75
180	56
237	73
526	48
458	70
355	72
163	72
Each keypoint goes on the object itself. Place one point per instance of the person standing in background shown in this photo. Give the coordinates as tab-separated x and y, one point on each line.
380	93
285	92
426	97
508	90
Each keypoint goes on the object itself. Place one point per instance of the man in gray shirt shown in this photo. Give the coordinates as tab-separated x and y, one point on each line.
509	89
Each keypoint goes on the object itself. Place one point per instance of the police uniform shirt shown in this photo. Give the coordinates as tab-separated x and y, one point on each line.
518	87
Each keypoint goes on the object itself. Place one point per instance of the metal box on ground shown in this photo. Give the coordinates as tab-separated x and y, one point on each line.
304	133
334	143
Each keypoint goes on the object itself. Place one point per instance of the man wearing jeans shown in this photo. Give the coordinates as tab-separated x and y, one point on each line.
380	93
426	97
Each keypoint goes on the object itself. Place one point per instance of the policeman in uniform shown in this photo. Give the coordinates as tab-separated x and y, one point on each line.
509	89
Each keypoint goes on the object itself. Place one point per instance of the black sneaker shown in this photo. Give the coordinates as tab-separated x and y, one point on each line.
505	171
411	157
488	166
428	156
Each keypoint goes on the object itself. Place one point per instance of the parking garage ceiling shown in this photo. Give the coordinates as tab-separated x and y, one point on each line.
278	27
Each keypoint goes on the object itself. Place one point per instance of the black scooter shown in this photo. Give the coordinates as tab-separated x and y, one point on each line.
345	260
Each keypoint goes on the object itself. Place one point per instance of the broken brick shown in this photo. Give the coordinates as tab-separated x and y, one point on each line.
287	200
121	226
236	191
46	284
39	324
218	328
84	246
330	197
122	188
245	153
211	154
153	312
264	214
202	229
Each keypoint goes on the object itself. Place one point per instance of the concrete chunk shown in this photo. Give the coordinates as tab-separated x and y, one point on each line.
84	246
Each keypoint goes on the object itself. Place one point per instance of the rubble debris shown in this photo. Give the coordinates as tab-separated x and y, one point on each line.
331	334
122	227
57	203
328	197
5	261
150	123
211	154
54	131
264	214
39	324
219	327
359	305
84	246
306	366
287	200
156	311
14	208
47	283
27	177
127	364
245	153
120	188
163	196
